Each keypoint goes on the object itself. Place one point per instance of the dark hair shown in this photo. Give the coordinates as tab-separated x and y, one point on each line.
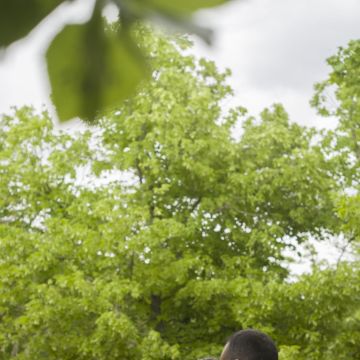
250	345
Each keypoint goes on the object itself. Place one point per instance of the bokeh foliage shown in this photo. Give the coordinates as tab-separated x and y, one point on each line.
90	69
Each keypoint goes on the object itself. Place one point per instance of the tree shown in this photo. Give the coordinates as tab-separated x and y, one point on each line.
90	69
339	96
188	248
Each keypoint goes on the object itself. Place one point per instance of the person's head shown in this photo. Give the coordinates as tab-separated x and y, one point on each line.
249	345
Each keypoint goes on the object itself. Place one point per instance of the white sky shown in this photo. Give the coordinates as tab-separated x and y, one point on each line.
276	50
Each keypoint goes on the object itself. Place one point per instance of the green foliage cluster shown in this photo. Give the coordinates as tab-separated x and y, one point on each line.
91	70
339	96
189	248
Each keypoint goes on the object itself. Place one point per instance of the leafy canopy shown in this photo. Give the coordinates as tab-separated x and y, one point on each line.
188	247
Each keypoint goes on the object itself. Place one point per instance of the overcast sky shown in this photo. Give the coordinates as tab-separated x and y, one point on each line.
276	50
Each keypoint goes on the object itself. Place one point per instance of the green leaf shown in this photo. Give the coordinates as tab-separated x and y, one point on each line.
91	70
19	17
183	6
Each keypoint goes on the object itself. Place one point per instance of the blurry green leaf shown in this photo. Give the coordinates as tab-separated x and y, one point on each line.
91	71
183	6
19	17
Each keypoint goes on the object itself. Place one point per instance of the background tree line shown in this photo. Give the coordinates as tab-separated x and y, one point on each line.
189	246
